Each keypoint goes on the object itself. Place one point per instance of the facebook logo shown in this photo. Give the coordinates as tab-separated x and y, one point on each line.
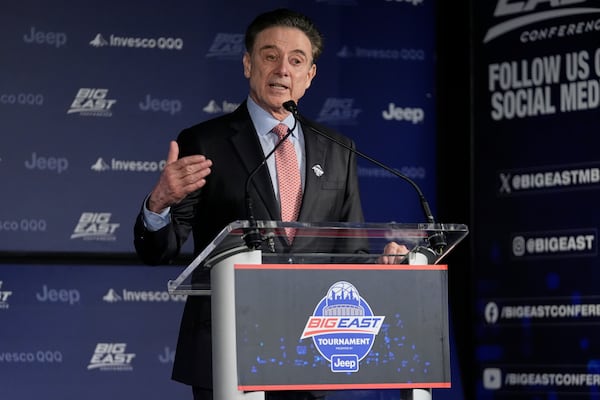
492	378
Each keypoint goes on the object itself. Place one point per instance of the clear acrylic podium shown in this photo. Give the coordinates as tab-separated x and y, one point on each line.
325	313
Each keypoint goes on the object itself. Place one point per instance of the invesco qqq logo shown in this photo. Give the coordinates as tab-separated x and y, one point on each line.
343	327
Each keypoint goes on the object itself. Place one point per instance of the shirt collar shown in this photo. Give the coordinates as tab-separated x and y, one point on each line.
264	122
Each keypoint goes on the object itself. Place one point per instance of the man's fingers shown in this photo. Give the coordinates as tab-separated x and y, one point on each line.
173	152
187	175
192	167
191	176
394	253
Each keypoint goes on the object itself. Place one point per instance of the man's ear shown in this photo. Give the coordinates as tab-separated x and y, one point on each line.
247	64
311	74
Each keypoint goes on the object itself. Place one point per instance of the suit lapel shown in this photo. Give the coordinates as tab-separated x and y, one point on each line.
315	150
248	147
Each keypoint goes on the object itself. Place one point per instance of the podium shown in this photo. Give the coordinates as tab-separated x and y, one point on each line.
324	313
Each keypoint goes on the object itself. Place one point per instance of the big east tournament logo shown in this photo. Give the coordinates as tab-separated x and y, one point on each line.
343	327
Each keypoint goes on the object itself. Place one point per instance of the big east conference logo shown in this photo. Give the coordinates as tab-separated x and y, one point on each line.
343	327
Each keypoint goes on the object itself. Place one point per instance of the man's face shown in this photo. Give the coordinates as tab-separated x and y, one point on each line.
280	68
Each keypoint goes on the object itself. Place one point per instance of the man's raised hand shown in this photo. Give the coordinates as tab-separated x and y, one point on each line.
180	177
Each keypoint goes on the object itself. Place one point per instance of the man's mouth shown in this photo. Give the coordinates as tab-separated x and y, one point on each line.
278	86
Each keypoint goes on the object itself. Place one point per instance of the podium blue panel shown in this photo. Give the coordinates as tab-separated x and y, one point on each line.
342	327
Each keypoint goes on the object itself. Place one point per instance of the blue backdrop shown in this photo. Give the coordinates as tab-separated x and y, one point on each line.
90	98
91	94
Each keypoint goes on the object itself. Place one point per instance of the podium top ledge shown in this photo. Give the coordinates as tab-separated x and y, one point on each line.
324	243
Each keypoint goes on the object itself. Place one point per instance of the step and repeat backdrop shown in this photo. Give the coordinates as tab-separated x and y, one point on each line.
90	96
88	332
537	170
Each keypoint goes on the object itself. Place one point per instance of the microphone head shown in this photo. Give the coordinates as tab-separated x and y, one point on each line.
291	106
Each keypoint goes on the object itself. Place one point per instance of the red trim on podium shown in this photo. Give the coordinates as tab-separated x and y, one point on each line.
435	267
428	385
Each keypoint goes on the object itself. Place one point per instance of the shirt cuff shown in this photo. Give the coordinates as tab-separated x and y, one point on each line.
154	221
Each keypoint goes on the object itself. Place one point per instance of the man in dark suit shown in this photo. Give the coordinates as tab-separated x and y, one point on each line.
203	185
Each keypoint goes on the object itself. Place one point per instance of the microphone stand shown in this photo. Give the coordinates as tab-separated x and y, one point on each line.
252	236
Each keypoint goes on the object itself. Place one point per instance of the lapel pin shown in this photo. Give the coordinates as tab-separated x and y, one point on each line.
317	169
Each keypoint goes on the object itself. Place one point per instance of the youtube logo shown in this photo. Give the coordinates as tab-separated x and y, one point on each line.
492	378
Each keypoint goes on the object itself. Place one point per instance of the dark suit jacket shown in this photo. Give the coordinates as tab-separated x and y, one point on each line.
231	142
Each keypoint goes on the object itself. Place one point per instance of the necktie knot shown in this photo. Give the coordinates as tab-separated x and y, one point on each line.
280	130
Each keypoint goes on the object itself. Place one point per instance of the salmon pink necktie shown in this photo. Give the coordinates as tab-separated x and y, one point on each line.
288	178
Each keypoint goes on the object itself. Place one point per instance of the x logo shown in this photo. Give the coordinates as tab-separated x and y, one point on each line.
505	183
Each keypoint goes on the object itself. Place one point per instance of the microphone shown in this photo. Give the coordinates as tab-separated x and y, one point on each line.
252	236
436	240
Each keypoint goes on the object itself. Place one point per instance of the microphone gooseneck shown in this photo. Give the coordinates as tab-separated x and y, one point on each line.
252	235
437	241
